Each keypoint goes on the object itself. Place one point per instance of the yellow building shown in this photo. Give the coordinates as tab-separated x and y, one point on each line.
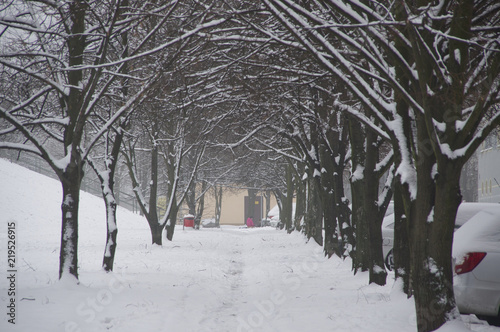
233	206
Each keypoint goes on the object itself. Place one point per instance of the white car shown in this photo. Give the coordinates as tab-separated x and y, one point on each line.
476	255
209	223
274	215
465	212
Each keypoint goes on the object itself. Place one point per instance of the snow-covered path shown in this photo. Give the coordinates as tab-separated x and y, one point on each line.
228	279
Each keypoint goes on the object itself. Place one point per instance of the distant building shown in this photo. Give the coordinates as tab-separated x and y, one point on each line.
469	179
488	159
234	210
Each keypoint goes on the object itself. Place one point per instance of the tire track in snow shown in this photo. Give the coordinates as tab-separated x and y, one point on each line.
223	317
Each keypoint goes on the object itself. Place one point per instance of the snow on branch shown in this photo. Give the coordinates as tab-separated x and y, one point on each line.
61	89
20	147
141	94
153	51
348	75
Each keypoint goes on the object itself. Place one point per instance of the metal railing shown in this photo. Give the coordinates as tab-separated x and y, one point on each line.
90	183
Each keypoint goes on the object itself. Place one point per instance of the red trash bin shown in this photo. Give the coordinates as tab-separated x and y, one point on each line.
189	220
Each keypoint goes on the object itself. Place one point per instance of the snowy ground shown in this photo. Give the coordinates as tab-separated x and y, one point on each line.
228	279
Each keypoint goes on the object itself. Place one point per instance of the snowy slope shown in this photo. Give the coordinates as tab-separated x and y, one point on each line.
228	279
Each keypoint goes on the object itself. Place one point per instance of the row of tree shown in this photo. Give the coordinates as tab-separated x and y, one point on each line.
276	94
421	78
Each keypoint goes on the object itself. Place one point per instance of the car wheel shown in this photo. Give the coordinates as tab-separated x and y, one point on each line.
389	260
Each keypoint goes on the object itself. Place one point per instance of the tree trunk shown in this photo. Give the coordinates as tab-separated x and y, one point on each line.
330	219
378	274
267	195
218	204
156	234
314	212
361	251
432	269
423	267
401	249
300	199
403	203
287	211
196	206
171	221
279	200
110	200
108	192
252	196
71	176
106	179
432	276
191	198
283	206
150	213
152	216
373	212
343	214
201	206
68	258
111	233
448	199
327	194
